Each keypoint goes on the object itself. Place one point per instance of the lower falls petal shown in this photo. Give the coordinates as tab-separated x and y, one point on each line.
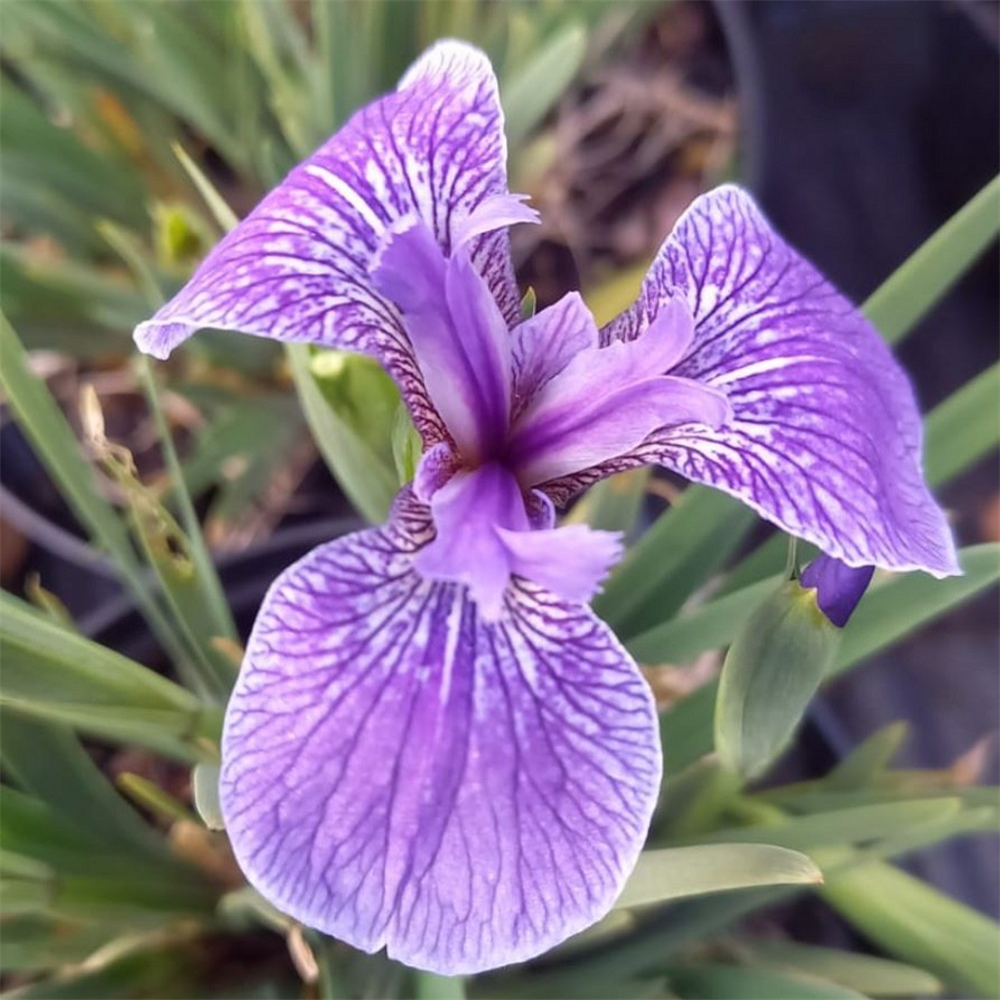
398	772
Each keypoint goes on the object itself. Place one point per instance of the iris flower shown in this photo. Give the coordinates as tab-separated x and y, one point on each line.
433	744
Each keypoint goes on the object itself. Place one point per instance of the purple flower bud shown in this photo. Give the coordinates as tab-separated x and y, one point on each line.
838	586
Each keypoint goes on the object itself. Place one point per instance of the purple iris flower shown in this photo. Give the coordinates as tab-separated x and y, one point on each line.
434	745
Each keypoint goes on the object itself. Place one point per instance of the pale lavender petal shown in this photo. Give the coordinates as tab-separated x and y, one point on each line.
838	587
496	212
296	268
571	561
458	335
398	773
467	548
825	439
542	346
605	403
487	532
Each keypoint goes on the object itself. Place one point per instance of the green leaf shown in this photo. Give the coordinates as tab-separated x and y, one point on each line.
871	976
51	160
407	447
51	672
693	800
903	603
859	825
54	443
530	91
926	276
893	786
431	986
367	476
671	873
171	970
599	972
48	761
93	877
155	800
615	295
277	45
927	834
768	559
62	304
963	428
770	673
147	52
869	759
682	550
224	216
36	943
210	616
723	982
707	626
918	924
170	554
23	896
613	504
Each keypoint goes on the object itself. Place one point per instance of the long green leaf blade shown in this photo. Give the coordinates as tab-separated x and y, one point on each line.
918	924
871	976
963	428
685	546
925	277
49	762
723	982
54	442
671	873
368	482
51	672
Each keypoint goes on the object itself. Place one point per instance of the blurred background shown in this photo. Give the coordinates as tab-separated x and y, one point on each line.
860	126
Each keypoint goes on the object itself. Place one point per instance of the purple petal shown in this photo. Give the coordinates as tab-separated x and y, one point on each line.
496	212
437	465
486	534
398	773
838	587
296	268
545	344
570	561
606	402
467	548
458	335
825	439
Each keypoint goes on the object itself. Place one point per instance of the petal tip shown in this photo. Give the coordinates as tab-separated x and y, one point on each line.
158	338
449	57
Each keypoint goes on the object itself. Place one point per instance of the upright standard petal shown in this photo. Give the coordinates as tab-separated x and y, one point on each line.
607	401
398	773
297	268
825	439
542	346
459	337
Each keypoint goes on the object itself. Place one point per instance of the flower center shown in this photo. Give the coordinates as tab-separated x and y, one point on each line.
524	407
